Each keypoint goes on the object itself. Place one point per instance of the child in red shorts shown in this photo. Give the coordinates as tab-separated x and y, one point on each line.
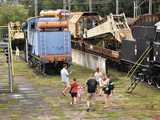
74	91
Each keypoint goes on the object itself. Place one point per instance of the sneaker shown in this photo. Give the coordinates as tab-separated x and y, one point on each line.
106	106
71	103
63	94
88	109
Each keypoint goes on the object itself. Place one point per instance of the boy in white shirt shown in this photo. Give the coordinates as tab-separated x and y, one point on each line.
98	76
65	79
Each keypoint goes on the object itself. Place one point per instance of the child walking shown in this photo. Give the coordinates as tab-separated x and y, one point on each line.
80	92
74	91
108	89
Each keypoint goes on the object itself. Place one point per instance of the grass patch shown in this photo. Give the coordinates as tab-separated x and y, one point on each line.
133	105
56	108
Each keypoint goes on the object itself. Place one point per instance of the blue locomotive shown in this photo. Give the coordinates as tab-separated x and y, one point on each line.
48	40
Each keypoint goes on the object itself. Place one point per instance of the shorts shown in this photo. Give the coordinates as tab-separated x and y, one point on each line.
66	83
74	94
91	96
108	92
91	91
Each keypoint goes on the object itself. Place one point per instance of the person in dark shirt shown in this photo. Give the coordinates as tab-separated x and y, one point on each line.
82	44
91	89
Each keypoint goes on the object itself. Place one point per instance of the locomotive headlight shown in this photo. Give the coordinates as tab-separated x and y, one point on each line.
135	50
157	27
156	53
154	58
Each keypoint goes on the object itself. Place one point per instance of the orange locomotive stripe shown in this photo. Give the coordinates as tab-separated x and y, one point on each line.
52	24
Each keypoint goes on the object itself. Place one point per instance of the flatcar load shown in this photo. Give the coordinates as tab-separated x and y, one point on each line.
63	24
55	13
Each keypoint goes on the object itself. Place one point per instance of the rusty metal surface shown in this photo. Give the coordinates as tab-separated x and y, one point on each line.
103	52
146	20
78	22
115	24
52	58
16	31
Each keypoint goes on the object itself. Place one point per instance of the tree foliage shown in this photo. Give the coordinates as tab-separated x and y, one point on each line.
103	7
10	12
77	5
49	4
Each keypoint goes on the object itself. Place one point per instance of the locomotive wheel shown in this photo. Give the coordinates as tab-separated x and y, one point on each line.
30	62
43	68
150	82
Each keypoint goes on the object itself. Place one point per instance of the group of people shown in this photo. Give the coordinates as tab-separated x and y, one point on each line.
99	83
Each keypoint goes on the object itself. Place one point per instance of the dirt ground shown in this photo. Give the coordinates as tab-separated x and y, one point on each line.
38	97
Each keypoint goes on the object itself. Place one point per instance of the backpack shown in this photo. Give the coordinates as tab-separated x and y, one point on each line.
109	87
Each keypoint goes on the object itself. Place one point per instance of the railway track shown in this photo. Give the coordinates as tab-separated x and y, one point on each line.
3	74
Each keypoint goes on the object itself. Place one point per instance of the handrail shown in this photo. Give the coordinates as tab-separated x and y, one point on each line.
140	62
141	57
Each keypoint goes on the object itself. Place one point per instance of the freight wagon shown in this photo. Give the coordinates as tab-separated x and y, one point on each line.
48	42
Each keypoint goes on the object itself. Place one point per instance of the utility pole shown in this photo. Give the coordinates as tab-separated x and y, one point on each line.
135	8
117	7
150	7
69	5
15	2
64	4
138	4
36	8
90	5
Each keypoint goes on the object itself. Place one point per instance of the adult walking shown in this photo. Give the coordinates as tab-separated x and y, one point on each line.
65	79
108	89
91	89
98	76
17	53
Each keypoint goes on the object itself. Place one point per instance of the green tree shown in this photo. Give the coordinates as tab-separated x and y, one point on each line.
50	4
10	12
104	7
79	5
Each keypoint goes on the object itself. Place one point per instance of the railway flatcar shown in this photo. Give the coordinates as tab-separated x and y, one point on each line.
48	42
80	22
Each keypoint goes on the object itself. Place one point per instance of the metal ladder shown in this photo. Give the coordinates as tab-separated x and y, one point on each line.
135	80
